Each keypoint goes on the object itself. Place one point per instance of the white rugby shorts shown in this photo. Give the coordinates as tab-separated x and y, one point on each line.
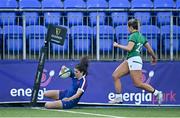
135	63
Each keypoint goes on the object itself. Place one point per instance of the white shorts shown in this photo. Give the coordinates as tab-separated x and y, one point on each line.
135	63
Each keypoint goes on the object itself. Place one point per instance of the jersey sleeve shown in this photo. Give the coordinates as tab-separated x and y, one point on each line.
132	38
83	85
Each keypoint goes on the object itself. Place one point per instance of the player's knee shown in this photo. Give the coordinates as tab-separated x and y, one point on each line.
47	105
114	76
45	94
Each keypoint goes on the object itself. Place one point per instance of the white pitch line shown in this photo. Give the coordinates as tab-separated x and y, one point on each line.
86	113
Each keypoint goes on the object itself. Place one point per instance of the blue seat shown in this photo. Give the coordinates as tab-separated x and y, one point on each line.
13	37
122	34
164	18
93	18
32	18
167	4
117	4
81	36
75	18
74	4
52	18
119	18
97	4
141	4
8	4
36	36
177	4
28	4
152	33
7	18
106	35
165	32
143	17
49	4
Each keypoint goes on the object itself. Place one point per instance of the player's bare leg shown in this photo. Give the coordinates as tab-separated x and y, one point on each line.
53	94
120	71
54	105
136	76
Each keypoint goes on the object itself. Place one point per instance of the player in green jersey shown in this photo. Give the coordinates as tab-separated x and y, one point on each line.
133	63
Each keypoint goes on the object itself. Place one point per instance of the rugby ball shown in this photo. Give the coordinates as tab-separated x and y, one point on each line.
64	73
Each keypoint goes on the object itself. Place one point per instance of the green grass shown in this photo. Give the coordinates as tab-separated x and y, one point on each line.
91	112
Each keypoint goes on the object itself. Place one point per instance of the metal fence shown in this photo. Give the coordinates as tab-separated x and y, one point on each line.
90	33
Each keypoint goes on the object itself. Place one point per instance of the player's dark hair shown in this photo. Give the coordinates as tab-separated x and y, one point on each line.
83	65
133	23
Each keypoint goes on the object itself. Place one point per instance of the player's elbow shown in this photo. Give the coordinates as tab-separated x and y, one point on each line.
129	49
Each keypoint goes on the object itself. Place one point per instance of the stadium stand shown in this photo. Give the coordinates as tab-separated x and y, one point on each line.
164	18
93	18
74	4
106	35
82	38
97	4
120	5
143	17
32	18
7	18
75	18
177	4
28	4
152	34
159	4
121	34
119	18
8	4
165	32
52	18
13	37
141	4
49	4
35	35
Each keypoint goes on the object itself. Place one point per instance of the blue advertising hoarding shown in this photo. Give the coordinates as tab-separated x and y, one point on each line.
17	78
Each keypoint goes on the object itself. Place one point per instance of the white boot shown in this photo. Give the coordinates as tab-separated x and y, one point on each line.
159	97
117	100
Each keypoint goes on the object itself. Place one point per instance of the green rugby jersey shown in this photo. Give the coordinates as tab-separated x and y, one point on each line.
139	40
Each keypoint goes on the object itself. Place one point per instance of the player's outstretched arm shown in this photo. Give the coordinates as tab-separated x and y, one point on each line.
151	52
128	47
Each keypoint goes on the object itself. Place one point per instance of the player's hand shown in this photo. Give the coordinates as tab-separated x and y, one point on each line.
66	99
154	60
115	44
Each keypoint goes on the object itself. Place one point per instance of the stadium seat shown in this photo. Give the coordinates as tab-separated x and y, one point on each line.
167	4
32	18
177	4
7	18
122	34
36	36
97	4
106	35
141	4
52	17
164	18
49	4
13	37
93	18
81	36
119	18
8	4
74	4
75	18
117	4
143	17
28	4
152	34
165	32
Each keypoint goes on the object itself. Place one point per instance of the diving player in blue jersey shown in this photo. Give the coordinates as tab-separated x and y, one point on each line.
66	99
